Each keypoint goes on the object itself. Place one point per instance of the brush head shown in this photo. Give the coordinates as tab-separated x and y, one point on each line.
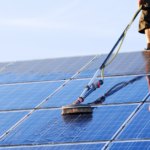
76	109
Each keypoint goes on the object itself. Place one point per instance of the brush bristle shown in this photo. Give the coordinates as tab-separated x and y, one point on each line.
85	110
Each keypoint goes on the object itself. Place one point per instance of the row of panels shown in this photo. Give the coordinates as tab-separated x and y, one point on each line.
124	64
49	126
137	145
29	95
43	70
65	68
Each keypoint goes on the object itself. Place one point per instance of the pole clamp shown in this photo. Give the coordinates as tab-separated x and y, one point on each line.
81	99
88	87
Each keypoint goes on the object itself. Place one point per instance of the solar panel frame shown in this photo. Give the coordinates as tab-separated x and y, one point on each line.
130	145
73	146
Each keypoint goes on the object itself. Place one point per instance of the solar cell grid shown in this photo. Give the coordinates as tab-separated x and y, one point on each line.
9	119
139	126
21	96
2	65
134	92
145	67
116	63
140	145
92	68
129	65
123	64
48	69
48	126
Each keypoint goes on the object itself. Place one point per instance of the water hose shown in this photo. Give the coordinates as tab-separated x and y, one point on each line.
115	89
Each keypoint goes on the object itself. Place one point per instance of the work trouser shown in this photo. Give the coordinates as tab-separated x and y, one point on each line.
145	18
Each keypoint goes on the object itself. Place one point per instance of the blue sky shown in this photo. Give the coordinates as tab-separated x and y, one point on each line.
37	29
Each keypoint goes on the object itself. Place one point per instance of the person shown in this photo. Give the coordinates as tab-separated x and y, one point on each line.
144	24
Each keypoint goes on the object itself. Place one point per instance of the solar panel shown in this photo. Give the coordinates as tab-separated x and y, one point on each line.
27	95
133	92
2	65
123	64
92	68
48	69
97	146
143	145
148	99
139	126
25	84
8	119
49	126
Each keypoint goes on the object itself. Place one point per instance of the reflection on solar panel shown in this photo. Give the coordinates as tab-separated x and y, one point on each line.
48	69
48	126
8	119
18	96
140	145
123	64
133	92
139	127
98	146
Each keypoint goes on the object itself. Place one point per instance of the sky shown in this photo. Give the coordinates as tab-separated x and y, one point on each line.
39	29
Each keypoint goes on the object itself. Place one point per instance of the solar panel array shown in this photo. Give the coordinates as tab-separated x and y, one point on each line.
124	64
32	94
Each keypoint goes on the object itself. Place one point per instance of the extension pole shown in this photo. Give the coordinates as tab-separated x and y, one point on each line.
107	58
103	64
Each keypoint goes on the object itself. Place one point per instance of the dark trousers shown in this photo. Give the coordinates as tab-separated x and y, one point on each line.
144	22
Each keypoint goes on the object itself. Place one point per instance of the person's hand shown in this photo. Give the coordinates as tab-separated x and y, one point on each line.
140	2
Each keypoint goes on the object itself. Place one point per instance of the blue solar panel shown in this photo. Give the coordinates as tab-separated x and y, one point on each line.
9	119
148	99
139	126
48	126
48	69
92	68
140	145
98	146
133	92
29	95
123	64
2	65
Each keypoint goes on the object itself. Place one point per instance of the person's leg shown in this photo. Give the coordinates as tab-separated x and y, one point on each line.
147	32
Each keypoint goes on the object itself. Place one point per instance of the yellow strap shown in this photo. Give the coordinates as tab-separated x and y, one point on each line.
102	72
